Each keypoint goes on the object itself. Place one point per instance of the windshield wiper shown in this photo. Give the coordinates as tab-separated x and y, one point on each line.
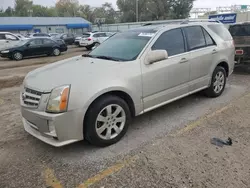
107	58
86	55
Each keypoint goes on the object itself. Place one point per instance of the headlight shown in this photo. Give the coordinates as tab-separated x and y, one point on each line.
5	51
58	100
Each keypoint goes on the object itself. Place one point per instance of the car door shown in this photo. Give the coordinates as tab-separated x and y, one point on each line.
202	49
11	40
34	47
47	46
166	80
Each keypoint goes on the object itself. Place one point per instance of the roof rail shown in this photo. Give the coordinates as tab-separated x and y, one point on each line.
163	22
200	20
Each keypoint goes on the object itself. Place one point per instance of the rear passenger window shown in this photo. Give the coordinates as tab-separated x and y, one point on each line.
172	41
208	38
221	31
195	37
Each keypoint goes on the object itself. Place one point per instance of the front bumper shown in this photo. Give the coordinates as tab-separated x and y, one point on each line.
68	126
5	55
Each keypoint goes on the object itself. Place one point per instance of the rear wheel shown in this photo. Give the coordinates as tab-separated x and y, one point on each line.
17	56
56	52
97	44
107	121
218	83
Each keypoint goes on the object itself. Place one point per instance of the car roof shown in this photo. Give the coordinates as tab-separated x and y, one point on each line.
155	28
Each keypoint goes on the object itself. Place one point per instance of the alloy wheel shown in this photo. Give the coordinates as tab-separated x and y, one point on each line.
110	122
219	82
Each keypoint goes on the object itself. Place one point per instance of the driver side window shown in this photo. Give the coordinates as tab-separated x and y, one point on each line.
172	41
10	37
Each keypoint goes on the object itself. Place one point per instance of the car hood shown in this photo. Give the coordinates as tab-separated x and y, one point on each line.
71	71
10	47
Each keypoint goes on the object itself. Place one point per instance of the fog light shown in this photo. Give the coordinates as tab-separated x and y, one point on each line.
52	129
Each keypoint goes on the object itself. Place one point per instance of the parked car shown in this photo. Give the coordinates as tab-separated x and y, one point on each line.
95	96
8	39
94	39
33	47
79	37
241	36
68	38
38	35
20	36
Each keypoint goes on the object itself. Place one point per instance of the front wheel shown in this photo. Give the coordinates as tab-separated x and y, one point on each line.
107	121
17	56
218	83
56	52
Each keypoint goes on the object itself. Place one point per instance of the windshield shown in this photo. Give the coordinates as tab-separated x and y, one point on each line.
21	42
124	46
240	30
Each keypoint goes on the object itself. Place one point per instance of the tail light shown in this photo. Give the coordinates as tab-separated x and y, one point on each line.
89	39
239	52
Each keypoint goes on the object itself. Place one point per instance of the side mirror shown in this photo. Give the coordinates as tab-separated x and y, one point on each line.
155	56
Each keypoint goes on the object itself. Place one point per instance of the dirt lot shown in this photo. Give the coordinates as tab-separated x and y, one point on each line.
168	147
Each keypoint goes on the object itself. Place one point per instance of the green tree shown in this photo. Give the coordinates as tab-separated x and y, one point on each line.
106	11
23	8
9	12
41	11
154	9
67	8
86	12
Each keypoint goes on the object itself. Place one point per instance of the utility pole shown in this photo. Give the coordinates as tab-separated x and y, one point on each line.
137	10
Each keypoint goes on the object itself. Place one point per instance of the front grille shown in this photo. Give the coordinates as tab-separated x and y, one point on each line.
31	98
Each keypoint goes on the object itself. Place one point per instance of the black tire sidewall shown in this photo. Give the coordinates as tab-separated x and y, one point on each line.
89	126
210	91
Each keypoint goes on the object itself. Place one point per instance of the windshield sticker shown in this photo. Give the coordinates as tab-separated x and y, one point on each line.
146	34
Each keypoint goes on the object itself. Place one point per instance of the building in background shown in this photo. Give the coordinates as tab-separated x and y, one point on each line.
44	24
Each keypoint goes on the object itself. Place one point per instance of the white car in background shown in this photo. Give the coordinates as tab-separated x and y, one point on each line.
90	40
9	39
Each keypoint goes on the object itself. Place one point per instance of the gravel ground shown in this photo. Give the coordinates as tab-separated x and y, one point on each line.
190	160
164	159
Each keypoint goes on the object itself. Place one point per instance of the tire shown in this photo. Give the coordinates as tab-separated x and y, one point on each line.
56	52
111	127
17	56
89	47
96	44
218	83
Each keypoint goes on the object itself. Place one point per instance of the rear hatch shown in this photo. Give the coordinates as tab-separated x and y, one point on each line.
241	36
85	36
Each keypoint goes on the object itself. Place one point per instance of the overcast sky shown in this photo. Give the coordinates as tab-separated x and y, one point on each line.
198	3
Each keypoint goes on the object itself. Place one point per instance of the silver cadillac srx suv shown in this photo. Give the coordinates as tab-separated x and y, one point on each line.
94	96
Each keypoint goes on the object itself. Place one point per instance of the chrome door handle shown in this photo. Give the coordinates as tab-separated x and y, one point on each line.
183	60
214	51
